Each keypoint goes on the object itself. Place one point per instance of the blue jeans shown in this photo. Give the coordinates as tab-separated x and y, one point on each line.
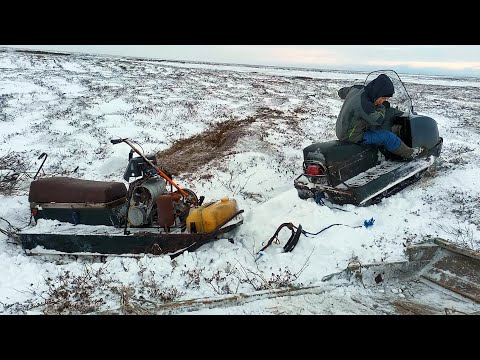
381	137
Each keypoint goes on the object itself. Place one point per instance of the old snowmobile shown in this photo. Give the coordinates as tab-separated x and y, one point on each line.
348	173
83	217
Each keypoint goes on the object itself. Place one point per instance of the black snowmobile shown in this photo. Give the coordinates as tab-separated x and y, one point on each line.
348	173
153	216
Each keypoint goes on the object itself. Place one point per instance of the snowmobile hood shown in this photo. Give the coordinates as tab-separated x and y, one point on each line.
381	86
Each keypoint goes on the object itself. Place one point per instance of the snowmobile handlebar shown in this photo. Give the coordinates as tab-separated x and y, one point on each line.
157	169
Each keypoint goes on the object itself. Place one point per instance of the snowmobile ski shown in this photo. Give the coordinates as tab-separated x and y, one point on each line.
81	240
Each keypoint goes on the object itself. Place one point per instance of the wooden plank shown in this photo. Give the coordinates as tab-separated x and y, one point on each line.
421	252
405	307
456	272
452	247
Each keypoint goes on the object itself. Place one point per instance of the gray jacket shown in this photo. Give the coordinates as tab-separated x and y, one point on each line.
358	113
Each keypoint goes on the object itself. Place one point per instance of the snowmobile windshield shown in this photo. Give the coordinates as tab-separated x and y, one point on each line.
400	99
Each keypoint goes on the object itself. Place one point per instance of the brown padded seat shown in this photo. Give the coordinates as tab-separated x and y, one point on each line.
70	190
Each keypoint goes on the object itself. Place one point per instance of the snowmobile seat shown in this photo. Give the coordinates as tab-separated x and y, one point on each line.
71	190
342	160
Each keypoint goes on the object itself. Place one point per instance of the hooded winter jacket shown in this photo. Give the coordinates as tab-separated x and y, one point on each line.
358	113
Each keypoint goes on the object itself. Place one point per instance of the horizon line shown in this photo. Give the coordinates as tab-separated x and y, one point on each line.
289	67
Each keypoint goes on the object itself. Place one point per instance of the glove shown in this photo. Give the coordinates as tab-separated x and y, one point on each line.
386	104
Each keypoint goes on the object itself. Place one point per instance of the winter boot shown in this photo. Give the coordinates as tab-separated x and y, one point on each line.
404	151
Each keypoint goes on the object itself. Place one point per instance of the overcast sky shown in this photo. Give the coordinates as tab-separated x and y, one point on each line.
458	60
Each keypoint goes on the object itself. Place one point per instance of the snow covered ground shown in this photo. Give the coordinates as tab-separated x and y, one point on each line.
70	106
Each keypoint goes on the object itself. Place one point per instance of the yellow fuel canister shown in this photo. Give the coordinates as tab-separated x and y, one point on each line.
205	218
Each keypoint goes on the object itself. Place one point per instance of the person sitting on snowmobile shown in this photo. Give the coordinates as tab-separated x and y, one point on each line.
363	113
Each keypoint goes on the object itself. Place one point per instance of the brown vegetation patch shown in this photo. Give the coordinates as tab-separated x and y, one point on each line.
188	155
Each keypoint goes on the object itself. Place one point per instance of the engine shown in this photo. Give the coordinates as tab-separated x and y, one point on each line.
143	201
151	204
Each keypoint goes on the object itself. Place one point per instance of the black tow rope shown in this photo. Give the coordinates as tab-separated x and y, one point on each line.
292	241
297	231
306	233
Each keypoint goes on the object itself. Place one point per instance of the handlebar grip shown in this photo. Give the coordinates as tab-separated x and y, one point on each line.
116	141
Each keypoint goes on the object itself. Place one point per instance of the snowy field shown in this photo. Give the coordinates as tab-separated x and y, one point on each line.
70	106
